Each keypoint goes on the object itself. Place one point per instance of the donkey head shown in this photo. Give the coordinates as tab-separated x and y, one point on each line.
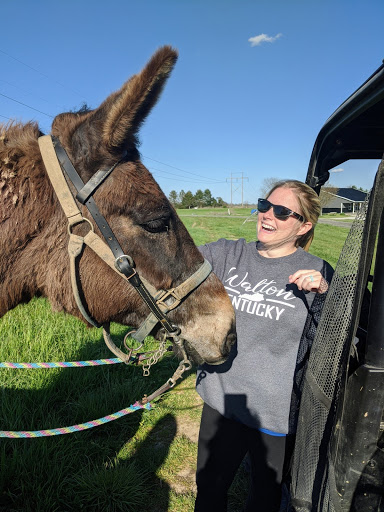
142	219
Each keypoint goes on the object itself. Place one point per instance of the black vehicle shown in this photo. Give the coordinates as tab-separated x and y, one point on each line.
339	457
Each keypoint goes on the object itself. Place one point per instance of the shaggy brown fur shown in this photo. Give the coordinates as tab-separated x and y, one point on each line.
33	243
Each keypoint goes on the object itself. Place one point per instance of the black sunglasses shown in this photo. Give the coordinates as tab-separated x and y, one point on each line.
280	212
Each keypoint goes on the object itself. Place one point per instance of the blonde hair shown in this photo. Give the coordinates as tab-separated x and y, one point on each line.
310	207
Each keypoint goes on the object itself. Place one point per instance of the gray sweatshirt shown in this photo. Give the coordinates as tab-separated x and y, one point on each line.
255	385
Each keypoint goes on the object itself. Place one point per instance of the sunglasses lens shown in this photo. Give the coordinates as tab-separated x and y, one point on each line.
281	212
263	205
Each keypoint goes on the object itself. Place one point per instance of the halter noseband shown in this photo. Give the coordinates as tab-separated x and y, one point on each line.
159	302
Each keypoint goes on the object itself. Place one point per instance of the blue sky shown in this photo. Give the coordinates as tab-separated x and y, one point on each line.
254	83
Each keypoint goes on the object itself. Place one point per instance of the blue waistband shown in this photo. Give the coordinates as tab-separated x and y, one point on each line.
271	432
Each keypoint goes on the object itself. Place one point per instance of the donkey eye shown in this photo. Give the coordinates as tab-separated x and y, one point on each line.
156	225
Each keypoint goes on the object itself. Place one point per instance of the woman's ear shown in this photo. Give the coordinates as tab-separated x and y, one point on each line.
304	228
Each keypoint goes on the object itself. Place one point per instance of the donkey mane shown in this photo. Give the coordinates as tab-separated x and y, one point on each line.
19	156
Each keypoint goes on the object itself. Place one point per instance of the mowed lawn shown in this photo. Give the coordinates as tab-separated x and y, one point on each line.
144	461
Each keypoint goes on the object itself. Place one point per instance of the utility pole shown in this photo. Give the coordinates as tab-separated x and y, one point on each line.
237	179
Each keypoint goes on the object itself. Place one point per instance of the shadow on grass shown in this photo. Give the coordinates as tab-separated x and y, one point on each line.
111	467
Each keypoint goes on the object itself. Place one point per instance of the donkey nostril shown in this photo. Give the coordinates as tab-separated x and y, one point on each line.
228	343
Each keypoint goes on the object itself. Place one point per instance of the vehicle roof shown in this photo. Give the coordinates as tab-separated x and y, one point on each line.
354	131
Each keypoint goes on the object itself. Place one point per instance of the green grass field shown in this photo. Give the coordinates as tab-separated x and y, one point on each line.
142	462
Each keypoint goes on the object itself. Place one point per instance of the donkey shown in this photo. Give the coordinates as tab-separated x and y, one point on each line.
34	235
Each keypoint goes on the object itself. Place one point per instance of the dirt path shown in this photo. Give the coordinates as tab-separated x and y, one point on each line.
335	222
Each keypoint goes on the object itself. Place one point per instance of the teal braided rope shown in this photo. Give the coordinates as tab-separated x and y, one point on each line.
29	434
62	364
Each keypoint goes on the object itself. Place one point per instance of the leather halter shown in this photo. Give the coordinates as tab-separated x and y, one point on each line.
159	302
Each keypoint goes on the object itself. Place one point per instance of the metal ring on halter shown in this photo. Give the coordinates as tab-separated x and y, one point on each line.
129	258
187	364
84	219
129	335
174	333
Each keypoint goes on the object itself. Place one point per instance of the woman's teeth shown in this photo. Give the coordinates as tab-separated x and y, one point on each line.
269	228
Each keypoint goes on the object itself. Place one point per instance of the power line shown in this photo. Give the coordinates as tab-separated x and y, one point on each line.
23	63
183	177
182	170
183	181
42	74
25	105
24	90
209	180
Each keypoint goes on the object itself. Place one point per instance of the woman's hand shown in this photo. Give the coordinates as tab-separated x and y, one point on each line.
309	281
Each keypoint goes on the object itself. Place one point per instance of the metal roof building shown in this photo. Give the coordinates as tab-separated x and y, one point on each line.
346	200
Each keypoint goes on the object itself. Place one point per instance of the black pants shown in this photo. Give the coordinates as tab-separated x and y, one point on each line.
223	443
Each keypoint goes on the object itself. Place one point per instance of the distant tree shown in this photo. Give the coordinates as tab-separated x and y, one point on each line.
173	197
208	199
199	198
266	186
359	188
188	200
181	196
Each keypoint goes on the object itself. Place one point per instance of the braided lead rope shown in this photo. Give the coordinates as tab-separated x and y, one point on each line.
61	364
73	364
29	434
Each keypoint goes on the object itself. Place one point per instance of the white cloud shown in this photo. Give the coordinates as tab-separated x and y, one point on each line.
337	170
263	38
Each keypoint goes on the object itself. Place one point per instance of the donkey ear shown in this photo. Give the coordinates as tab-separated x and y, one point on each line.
125	110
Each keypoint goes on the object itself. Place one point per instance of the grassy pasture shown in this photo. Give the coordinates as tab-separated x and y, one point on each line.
142	462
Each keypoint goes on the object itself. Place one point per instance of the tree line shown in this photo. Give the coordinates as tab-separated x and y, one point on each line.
200	199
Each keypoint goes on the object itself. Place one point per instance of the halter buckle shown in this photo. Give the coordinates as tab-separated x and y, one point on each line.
120	258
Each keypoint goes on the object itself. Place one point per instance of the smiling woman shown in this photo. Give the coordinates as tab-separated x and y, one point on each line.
279	235
251	405
307	203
